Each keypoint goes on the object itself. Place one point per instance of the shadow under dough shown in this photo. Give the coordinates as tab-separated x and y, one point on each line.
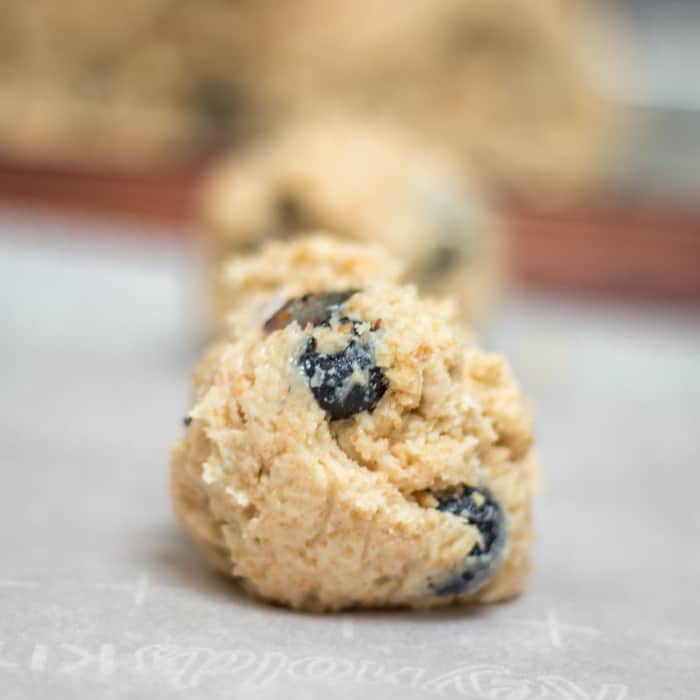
173	561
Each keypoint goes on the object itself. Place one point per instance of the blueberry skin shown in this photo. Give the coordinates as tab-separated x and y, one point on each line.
483	561
310	309
330	378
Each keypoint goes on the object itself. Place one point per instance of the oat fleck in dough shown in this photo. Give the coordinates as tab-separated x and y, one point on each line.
353	448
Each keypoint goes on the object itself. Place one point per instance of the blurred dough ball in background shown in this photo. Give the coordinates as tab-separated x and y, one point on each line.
500	81
503	82
370	182
83	82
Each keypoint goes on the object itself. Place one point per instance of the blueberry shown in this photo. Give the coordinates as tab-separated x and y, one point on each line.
313	309
479	508
442	261
292	214
347	382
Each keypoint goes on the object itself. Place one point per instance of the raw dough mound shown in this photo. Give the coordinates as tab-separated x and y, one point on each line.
354	449
363	181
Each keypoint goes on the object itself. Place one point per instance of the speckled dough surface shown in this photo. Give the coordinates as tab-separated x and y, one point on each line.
362	181
369	456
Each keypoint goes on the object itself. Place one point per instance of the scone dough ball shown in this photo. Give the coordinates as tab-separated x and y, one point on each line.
367	182
354	449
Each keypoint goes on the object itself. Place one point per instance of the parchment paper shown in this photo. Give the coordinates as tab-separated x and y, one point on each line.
102	597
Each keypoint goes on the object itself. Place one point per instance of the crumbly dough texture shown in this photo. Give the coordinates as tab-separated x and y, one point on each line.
363	181
323	514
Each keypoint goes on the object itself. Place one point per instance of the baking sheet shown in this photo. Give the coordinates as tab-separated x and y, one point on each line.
102	597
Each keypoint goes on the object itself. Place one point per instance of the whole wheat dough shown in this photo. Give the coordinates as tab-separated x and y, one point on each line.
370	455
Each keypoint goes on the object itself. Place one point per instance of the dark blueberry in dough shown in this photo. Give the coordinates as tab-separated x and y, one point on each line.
313	309
219	104
480	509
442	261
292	215
347	382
